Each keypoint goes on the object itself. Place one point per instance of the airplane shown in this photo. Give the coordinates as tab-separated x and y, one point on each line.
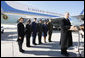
12	11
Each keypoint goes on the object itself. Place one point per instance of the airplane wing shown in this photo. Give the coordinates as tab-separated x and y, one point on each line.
81	17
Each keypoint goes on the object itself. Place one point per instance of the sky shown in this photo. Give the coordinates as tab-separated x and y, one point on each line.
73	7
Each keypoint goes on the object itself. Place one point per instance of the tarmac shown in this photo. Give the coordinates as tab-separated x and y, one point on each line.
9	46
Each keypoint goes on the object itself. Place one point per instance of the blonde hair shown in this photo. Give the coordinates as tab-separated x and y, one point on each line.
20	18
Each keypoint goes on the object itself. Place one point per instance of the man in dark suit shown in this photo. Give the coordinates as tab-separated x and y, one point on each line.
21	33
34	30
66	35
40	29
50	29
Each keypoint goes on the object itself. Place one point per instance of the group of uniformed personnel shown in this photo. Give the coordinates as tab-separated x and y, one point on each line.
33	29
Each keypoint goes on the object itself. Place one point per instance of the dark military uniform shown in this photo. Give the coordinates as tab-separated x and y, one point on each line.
50	29
39	29
34	31
28	34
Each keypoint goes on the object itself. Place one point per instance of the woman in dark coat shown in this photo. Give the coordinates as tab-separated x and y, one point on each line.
21	33
66	35
45	29
28	33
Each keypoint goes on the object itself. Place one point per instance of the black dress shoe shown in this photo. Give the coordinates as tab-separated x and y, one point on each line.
50	41
65	54
29	46
22	51
35	44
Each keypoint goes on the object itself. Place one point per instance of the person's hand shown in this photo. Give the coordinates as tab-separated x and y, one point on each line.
19	37
73	28
81	27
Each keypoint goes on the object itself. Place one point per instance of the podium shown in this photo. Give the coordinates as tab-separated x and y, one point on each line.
77	29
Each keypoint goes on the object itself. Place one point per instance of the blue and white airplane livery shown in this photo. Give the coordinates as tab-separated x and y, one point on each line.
11	8
13	11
